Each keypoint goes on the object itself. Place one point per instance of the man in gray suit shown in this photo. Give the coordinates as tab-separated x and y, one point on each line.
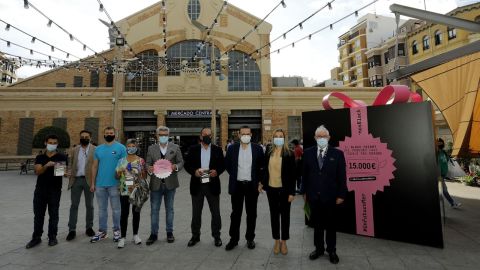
80	161
163	187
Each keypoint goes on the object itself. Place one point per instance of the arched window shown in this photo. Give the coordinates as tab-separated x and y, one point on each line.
426	43
452	33
438	37
191	53
142	74
193	9
243	74
414	47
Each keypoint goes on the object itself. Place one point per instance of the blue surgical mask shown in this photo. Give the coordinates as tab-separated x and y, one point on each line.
278	141
132	150
322	142
163	139
51	147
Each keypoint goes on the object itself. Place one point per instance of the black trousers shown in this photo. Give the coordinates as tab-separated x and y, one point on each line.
279	212
323	218
125	204
197	208
248	192
42	198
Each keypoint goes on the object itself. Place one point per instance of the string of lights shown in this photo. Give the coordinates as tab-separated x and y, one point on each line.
27	4
281	3
8	26
32	51
112	24
21	61
309	36
164	23
215	21
297	25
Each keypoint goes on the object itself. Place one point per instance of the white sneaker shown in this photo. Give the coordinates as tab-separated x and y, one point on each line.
121	243
136	239
456	205
116	236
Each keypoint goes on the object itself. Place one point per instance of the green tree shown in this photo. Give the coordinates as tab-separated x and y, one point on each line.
63	137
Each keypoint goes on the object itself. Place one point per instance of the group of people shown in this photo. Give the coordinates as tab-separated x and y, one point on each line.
113	173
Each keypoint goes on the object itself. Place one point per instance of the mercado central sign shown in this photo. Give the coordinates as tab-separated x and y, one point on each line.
190	114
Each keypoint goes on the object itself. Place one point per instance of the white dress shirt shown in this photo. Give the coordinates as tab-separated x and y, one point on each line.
244	172
82	160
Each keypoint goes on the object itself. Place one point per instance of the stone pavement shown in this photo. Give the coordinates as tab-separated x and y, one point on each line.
462	239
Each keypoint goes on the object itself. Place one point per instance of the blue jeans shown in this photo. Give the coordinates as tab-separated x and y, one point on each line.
155	202
103	194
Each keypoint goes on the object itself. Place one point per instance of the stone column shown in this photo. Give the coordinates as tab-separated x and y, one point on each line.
161	117
224	113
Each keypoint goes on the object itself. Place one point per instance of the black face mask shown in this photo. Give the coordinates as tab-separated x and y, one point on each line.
109	138
84	142
206	139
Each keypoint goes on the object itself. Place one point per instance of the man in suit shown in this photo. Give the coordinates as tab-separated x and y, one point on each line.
324	187
80	161
244	162
205	163
163	187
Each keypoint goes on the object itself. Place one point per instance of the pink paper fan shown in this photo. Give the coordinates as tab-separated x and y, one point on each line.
162	168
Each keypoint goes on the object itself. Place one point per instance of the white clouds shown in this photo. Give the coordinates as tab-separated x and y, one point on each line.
312	58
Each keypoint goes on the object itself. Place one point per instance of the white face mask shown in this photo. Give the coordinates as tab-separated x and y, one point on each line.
245	139
278	141
322	142
51	147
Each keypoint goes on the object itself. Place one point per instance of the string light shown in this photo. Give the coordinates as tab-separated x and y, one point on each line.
71	37
25	4
7	28
283	4
301	26
49	24
33	39
100	8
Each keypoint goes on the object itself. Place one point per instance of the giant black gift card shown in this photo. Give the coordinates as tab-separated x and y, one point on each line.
406	206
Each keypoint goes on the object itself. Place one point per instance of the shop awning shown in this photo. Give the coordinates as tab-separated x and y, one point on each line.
454	86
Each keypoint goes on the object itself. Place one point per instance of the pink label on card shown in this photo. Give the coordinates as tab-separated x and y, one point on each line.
369	167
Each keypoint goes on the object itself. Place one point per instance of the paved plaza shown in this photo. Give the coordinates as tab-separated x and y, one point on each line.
462	238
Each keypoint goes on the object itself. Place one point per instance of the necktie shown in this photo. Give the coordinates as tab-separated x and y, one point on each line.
320	159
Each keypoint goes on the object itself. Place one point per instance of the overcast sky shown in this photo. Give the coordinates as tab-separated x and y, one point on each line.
310	58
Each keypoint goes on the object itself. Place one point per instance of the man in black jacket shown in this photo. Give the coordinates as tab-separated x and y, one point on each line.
244	162
205	163
324	187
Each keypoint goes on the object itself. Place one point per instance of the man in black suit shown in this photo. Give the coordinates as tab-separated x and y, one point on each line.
244	162
324	187
205	163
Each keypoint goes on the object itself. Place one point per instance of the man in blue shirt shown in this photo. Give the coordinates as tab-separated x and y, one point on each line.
105	185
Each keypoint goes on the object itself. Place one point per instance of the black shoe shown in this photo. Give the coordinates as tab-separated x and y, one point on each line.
151	239
218	242
250	244
333	257
52	241
33	242
193	241
170	237
90	232
315	254
231	245
71	235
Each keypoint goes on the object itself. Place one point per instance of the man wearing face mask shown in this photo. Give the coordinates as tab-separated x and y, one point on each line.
245	164
205	163
163	187
324	187
80	161
47	192
105	184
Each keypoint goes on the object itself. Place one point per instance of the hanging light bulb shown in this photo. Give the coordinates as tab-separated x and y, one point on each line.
33	39
278	51
356	13
7	28
330	5
8	43
310	37
283	4
84	47
284	36
25	4
49	57
101	8
225	3
331	26
301	26
52	48
215	22
49	24
163	5
293	44
68	55
31	51
71	37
